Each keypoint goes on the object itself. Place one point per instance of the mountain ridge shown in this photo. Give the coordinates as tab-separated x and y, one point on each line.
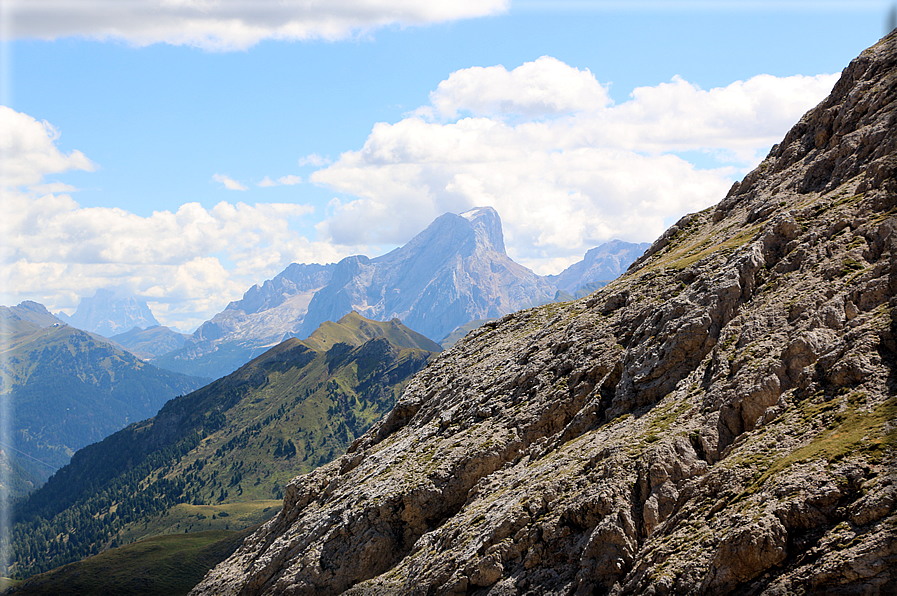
69	388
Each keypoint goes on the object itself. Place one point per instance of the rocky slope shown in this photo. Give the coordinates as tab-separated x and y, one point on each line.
719	420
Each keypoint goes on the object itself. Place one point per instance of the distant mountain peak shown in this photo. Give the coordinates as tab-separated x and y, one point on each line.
452	272
600	264
109	313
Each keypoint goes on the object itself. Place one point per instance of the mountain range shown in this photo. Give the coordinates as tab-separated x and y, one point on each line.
454	272
718	420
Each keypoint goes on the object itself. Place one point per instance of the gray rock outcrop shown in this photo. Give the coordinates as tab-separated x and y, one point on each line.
719	420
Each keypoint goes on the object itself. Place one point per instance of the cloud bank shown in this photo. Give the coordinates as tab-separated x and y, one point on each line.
186	263
565	167
227	25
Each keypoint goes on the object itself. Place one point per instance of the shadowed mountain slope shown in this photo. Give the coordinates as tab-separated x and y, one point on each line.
237	441
67	388
719	420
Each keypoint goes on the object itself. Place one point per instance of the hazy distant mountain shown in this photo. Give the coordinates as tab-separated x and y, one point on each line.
150	342
108	315
602	264
237	440
453	272
68	389
267	315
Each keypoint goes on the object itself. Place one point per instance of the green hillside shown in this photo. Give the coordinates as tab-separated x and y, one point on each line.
162	565
238	440
68	389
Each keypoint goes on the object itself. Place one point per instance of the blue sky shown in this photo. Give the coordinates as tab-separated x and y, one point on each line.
186	158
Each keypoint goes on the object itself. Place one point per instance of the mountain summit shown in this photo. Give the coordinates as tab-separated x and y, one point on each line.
719	420
453	272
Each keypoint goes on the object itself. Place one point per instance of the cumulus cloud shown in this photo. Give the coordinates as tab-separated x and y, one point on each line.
231	184
224	25
565	167
545	87
194	259
28	150
187	263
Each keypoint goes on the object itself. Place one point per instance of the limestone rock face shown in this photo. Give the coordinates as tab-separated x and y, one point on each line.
719	420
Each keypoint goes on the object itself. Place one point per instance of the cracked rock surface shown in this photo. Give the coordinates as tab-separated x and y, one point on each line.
719	420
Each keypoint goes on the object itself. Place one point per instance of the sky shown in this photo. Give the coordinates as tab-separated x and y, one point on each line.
181	151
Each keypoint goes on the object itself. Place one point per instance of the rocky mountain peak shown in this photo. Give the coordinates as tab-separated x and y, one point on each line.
719	420
487	226
451	273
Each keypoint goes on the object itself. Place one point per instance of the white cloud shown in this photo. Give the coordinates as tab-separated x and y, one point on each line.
313	159
28	151
546	87
289	180
231	184
224	25
571	170
194	259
